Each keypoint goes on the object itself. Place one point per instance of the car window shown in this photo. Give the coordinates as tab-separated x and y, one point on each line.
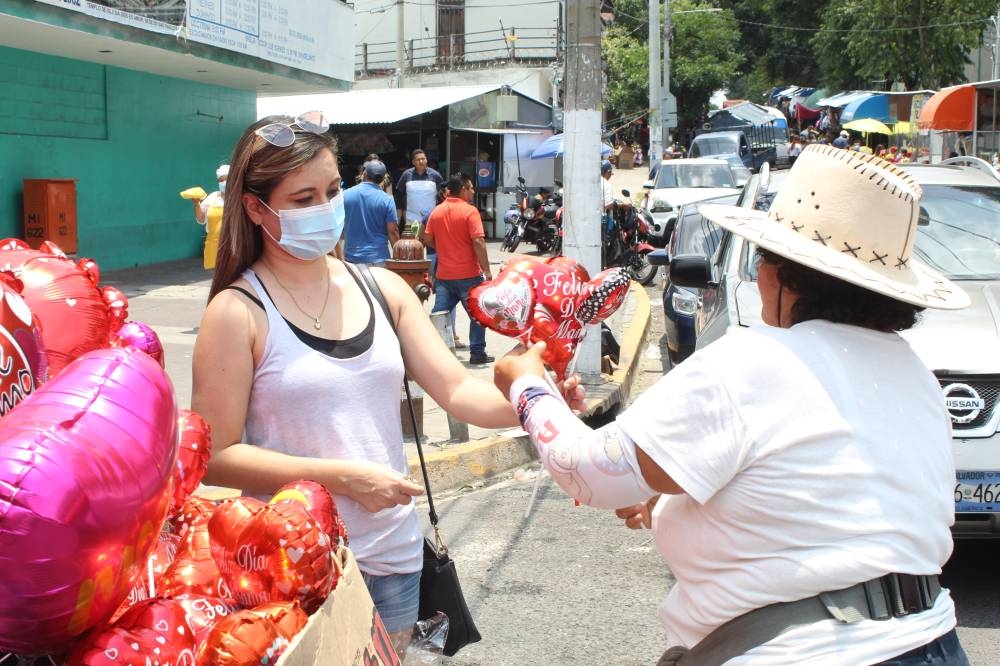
695	175
959	231
696	235
715	146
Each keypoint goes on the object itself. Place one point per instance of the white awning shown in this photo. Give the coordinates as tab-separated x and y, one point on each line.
498	131
844	98
384	105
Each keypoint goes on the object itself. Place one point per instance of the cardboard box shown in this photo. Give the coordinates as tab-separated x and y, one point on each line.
346	630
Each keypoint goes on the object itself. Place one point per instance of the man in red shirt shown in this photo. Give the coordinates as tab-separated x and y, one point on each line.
455	230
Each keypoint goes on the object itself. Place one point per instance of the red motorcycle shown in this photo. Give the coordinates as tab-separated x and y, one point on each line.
626	244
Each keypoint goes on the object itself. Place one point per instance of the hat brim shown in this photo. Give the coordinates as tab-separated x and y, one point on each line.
916	283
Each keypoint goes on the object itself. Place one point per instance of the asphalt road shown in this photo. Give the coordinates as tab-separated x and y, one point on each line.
571	585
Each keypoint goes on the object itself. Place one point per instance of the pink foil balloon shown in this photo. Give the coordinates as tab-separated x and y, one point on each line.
139	336
85	468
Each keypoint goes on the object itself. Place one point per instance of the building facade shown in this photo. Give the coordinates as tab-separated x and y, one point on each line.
136	101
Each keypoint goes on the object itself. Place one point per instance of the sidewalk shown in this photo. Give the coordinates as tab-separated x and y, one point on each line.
170	297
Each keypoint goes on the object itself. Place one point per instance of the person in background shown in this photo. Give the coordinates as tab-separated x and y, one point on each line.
385	185
777	497
455	230
208	213
370	226
297	369
795	149
432	273
843	140
607	199
416	189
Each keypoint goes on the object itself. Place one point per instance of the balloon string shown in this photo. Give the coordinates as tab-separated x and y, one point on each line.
149	570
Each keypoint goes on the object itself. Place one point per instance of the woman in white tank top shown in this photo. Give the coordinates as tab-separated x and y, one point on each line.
298	373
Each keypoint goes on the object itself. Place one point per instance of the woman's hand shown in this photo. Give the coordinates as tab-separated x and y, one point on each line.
638	516
377	487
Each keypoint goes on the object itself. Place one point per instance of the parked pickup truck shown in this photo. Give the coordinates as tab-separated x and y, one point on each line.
755	146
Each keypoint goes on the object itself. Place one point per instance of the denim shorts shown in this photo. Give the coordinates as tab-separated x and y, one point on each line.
397	599
942	651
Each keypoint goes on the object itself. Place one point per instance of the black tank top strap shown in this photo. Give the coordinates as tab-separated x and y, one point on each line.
246	292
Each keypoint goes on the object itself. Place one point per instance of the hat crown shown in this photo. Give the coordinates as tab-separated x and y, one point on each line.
851	202
375	168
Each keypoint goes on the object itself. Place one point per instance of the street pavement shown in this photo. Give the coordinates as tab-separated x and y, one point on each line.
171	297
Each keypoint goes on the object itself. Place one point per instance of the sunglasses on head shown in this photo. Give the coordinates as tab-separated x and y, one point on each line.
282	135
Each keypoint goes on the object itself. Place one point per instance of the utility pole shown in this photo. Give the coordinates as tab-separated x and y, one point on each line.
996	43
582	157
399	43
655	114
669	106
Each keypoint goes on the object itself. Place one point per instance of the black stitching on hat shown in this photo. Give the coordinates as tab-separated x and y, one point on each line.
901	263
796	227
878	257
820	237
852	250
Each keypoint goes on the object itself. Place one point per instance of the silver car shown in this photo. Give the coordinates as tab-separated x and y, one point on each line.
958	235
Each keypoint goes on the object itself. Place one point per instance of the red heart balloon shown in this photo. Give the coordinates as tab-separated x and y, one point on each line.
561	338
504	303
113	297
320	504
157	563
23	364
152	631
272	552
192	456
203	612
245	637
71	311
194	570
139	336
195	510
603	295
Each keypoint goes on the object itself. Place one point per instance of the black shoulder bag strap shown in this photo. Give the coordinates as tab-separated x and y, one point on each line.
376	292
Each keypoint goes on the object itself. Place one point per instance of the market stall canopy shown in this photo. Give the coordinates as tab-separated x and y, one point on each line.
553	147
868	125
842	99
383	105
746	113
812	101
871	106
950	109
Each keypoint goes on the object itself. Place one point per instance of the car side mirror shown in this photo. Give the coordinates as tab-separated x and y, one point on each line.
691	270
648	185
659	257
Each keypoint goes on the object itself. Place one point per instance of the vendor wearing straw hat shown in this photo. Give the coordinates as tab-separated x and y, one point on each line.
799	474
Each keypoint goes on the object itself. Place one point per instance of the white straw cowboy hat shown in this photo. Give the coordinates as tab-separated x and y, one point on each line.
850	215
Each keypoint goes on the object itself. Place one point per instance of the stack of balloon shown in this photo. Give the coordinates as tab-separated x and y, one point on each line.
106	557
550	301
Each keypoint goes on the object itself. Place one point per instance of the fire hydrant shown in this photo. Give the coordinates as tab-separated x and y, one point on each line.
409	263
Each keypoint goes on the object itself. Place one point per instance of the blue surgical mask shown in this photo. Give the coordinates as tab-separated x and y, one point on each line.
222	187
309	233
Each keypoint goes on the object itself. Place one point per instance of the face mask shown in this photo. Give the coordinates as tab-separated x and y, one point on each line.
222	187
309	233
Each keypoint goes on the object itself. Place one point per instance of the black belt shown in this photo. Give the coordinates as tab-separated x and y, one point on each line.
892	595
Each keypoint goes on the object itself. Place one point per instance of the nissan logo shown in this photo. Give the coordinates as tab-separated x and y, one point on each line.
962	402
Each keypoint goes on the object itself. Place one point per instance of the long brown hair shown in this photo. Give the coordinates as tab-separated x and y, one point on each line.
257	167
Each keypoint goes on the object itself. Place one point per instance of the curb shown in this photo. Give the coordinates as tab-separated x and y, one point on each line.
462	464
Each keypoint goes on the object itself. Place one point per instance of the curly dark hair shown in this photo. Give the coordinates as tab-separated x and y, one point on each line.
822	296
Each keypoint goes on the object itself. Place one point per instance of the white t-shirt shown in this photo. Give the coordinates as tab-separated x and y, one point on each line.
812	458
607	193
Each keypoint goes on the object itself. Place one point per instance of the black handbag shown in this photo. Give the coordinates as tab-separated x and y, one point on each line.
439	586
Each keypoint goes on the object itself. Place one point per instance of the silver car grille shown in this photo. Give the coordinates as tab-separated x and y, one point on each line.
988	389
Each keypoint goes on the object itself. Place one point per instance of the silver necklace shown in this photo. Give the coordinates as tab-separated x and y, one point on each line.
317	320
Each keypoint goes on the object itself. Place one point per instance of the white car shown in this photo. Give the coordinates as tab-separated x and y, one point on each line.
959	236
681	181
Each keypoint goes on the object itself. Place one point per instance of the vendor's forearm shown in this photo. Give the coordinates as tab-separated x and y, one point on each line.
597	467
479	403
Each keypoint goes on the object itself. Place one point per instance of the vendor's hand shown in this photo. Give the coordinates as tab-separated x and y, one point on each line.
519	361
573	393
377	487
638	516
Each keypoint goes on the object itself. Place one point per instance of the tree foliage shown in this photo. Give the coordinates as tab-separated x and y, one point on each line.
705	56
869	44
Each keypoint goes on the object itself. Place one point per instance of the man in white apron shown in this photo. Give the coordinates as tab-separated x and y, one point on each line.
416	191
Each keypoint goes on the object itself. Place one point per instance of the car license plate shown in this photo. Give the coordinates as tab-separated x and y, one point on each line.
977	491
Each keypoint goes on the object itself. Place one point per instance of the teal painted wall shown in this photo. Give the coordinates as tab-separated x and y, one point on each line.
132	140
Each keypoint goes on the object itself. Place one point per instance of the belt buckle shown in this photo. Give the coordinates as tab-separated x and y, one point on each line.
877	599
893	595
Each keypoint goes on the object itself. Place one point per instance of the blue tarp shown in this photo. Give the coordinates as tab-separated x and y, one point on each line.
873	106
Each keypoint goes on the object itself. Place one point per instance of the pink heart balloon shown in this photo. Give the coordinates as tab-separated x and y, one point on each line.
85	468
